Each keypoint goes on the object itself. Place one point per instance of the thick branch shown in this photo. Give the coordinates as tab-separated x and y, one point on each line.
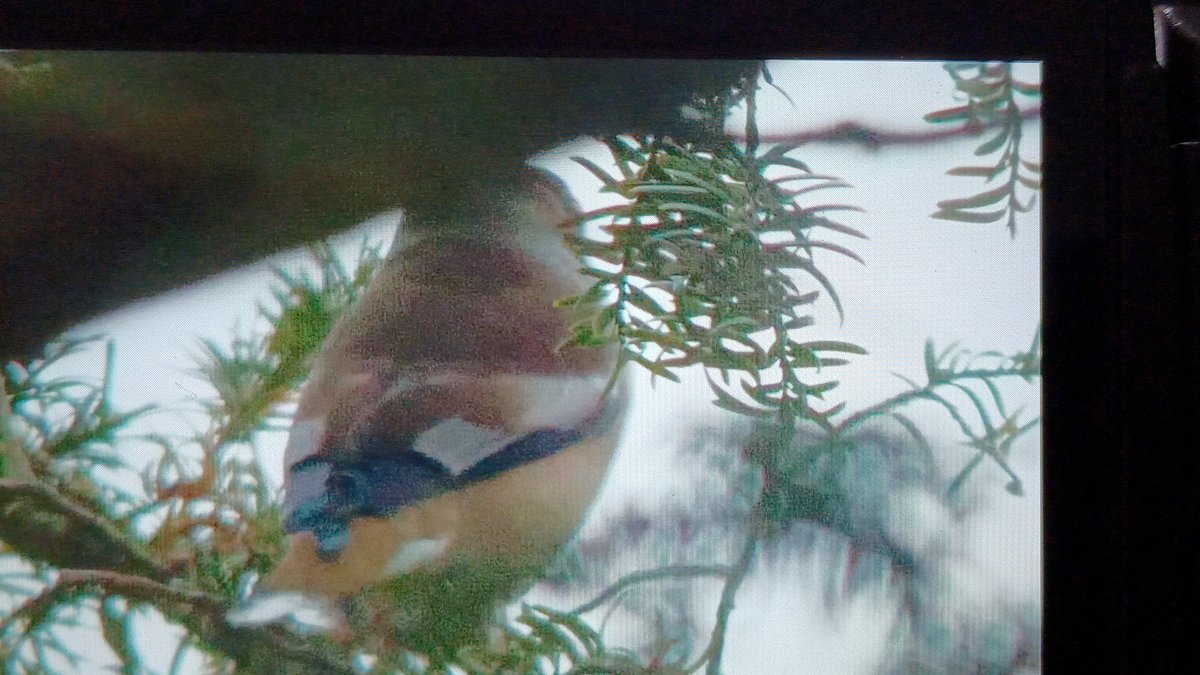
44	525
266	650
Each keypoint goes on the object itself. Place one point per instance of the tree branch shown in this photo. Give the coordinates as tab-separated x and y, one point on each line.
137	588
874	138
13	460
266	650
716	643
43	524
671	572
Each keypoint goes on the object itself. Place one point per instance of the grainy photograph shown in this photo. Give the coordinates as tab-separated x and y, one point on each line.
381	364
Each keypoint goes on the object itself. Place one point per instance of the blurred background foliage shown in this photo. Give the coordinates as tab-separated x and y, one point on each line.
127	174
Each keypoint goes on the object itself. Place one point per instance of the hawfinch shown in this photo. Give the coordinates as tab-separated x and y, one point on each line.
447	444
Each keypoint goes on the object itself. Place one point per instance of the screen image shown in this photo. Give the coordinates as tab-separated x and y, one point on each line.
397	364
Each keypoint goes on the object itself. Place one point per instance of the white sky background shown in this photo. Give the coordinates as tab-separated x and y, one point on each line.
924	278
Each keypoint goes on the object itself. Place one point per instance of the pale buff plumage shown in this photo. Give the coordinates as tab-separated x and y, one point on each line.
459	325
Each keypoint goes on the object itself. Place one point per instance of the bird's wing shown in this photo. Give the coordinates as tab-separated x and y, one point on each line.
444	419
426	439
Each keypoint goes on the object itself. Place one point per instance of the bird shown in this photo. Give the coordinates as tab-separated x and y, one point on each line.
449	440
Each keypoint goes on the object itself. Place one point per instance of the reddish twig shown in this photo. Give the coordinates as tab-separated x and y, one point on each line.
873	138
